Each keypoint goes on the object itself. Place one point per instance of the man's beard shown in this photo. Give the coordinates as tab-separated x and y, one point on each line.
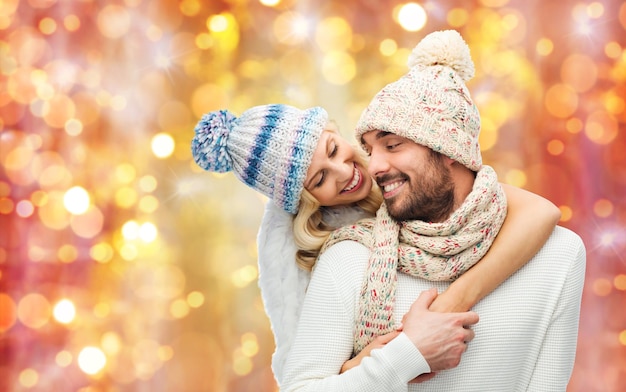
431	198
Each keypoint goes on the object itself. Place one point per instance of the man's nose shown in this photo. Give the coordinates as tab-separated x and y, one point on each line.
377	164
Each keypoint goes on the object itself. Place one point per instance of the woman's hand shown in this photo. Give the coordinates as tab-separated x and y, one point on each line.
451	301
378	342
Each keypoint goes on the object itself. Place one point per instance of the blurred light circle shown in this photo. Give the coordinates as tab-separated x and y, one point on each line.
34	310
76	200
179	309
125	173
338	67
457	17
603	208
601	127
147	183
162	145
71	22
561	100
64	311
544	46
130	230
516	178
67	253
58	111
88	224
291	28
6	205
8	316
111	343
53	214
113	21
333	33
555	147
411	17
217	23
73	127
24	208
148	232
566	213
195	299
101	252
388	47
580	72
91	360
148	204
63	358
29	378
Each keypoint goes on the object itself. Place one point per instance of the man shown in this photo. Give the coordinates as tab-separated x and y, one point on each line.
422	136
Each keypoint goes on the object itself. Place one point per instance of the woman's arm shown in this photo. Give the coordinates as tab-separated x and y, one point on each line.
528	224
282	283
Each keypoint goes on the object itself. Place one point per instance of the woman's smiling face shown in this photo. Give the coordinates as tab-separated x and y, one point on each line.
337	175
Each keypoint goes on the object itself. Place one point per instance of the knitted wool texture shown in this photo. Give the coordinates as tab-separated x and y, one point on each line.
268	147
431	104
434	251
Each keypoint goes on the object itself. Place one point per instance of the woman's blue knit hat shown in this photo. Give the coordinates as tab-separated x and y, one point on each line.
269	148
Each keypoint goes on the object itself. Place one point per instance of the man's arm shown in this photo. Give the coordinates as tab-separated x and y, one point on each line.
324	339
556	359
529	222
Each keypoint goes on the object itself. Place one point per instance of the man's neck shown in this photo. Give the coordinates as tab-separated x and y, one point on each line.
463	183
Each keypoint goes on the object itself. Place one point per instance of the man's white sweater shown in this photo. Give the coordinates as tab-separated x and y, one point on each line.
525	339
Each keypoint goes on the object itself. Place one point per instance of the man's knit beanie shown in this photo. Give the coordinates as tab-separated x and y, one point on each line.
268	147
431	105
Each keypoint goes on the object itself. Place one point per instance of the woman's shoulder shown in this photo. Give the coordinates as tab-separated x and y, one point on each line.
345	260
343	215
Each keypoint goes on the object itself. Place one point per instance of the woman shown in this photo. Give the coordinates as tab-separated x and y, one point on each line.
317	182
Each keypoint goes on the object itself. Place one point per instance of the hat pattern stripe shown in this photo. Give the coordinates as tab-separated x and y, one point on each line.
294	174
257	156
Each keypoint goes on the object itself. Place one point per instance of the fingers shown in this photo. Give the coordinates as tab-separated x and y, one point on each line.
469	318
388	337
426	298
469	335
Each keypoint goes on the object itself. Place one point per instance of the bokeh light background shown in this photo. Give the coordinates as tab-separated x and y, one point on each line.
123	267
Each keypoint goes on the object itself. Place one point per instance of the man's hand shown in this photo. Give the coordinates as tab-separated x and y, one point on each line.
378	342
441	337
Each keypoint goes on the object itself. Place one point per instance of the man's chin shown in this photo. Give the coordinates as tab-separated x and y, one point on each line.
395	211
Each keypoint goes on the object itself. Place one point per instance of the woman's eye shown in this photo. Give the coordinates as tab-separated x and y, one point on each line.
333	151
392	146
321	181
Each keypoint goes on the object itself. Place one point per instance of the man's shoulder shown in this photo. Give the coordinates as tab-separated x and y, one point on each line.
563	254
564	240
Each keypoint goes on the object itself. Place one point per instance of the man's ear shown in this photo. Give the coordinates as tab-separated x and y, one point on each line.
448	161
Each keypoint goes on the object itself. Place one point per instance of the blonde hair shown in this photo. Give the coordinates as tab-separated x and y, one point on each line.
309	229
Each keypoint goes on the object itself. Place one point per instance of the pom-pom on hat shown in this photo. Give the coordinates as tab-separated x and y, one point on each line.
268	147
431	104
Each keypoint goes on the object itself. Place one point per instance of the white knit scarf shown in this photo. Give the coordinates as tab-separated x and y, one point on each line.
439	251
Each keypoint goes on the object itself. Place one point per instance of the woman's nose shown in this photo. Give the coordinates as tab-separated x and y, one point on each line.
344	169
